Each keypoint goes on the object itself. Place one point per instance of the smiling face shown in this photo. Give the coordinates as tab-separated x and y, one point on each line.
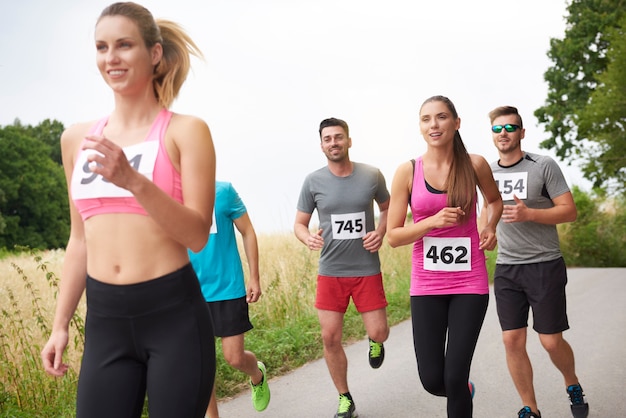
508	143
124	61
335	143
438	124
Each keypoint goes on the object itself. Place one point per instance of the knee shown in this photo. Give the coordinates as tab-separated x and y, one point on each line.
433	386
514	341
331	340
234	359
432	379
380	335
552	343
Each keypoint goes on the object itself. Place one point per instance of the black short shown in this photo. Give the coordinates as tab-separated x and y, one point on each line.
230	317
538	285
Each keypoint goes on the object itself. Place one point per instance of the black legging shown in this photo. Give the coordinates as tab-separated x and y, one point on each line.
154	337
444	370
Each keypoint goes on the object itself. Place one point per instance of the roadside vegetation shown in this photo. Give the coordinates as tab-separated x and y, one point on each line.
286	333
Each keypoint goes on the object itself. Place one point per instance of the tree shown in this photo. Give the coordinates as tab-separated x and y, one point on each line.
603	120
578	61
49	132
33	193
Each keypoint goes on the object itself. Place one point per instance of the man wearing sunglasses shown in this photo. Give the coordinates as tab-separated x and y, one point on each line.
530	271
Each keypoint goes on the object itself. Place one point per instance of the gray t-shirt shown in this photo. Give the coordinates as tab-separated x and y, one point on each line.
346	213
536	180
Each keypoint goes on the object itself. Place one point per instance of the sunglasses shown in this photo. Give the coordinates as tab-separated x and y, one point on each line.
508	127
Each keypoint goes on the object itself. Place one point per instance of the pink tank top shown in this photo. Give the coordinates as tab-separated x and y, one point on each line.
93	195
446	260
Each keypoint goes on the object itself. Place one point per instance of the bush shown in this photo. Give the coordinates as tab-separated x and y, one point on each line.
598	236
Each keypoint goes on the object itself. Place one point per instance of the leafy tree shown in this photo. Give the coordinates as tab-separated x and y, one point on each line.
49	132
33	193
578	61
603	120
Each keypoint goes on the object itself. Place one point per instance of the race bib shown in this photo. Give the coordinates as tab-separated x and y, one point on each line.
447	254
89	185
511	184
348	225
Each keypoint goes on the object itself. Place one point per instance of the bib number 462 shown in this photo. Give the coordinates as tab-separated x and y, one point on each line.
447	254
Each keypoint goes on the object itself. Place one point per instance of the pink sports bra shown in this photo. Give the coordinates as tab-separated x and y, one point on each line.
93	195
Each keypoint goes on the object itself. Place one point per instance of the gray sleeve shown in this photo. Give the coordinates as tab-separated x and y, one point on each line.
306	202
554	178
382	193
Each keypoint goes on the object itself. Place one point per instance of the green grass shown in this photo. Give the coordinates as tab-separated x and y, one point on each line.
286	331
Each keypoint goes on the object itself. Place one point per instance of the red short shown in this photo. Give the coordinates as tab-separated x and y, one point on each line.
333	293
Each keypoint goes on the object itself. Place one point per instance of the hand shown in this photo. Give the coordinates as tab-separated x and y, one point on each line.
52	354
518	212
315	241
488	239
372	241
447	217
254	291
111	162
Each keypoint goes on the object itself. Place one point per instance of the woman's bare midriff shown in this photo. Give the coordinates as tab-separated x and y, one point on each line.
130	248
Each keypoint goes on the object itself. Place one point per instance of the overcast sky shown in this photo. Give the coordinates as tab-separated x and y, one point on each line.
274	69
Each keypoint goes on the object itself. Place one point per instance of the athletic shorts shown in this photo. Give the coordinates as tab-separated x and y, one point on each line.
230	317
367	292
518	287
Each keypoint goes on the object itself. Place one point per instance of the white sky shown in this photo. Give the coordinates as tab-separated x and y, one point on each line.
274	69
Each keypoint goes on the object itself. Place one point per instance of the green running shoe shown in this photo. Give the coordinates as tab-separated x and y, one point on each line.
376	354
346	408
261	391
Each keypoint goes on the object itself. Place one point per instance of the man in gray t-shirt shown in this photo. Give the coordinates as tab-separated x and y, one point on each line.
530	271
343	193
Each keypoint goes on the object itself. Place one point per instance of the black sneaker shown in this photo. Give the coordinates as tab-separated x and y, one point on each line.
376	354
580	407
526	412
346	408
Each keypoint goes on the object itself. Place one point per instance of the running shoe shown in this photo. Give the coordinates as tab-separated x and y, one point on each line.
472	388
526	412
579	405
346	408
260	391
376	354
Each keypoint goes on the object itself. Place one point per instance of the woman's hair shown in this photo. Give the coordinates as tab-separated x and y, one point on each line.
461	182
170	73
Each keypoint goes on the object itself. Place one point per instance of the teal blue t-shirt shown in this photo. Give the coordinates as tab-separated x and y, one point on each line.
218	264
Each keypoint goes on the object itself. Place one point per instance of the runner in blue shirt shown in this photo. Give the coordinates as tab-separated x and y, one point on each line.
219	270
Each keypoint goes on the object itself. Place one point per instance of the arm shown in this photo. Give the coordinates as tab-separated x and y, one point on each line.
373	240
301	229
251	248
564	210
74	270
490	215
192	147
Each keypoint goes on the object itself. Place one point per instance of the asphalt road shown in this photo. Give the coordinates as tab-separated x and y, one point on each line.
597	314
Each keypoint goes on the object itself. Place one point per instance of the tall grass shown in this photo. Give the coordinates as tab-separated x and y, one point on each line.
286	333
28	293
